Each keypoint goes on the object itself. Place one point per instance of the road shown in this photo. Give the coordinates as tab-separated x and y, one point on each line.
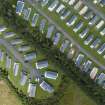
93	7
102	67
12	50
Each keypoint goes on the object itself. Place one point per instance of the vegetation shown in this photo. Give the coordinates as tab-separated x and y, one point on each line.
31	101
75	96
35	38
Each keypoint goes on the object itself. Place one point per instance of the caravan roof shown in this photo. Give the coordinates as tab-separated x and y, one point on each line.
102	32
101	49
23	78
71	21
79	59
96	43
19	7
93	72
50	31
51	74
42	64
78	26
53	5
15	68
31	90
88	40
46	87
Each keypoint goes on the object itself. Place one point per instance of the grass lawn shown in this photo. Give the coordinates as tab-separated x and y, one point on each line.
75	96
40	94
56	18
75	36
71	94
54	83
13	79
7	96
16	80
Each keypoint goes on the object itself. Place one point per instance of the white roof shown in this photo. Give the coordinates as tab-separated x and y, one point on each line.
44	2
78	5
42	25
87	65
78	26
95	43
50	31
46	87
31	90
24	48
9	34
71	2
1	55
64	45
93	72
27	13
16	41
32	74
101	78
71	21
84	33
101	49
83	10
51	75
79	59
61	6
56	38
15	68
53	5
30	56
100	24
23	78
94	20
65	14
41	64
19	7
65	1
34	19
102	32
88	40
